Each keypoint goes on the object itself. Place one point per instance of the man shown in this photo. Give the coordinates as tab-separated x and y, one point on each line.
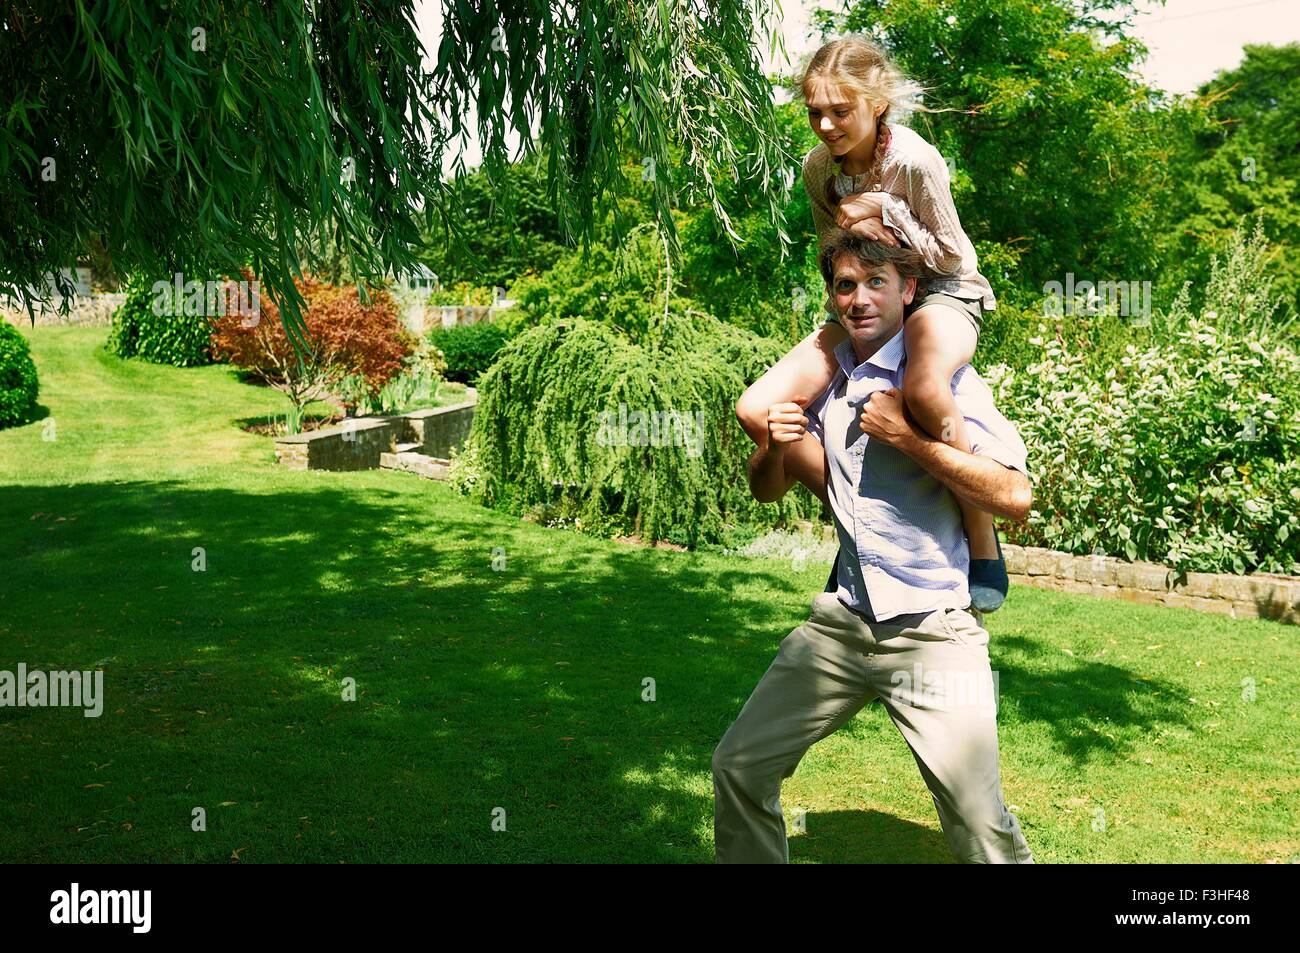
894	623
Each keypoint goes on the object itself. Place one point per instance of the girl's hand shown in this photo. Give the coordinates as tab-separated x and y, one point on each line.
860	205
873	229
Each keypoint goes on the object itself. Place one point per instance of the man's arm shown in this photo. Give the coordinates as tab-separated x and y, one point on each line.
806	462
789	455
983	481
776	468
768	481
992	486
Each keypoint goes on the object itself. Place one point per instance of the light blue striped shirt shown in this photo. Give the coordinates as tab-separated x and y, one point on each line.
903	548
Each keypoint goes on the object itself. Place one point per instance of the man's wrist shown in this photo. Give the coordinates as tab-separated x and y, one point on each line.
767	458
914	441
774	448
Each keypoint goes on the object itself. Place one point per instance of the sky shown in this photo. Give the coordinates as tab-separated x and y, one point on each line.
1188	40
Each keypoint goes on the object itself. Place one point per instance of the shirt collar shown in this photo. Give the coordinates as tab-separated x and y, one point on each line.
888	356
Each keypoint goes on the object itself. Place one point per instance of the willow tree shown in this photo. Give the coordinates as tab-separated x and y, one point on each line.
204	136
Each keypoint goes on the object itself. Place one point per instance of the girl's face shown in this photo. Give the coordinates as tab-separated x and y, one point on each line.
839	118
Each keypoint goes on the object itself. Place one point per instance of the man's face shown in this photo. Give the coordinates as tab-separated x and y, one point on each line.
869	300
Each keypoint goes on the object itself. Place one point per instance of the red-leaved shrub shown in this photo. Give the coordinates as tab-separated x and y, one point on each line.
346	337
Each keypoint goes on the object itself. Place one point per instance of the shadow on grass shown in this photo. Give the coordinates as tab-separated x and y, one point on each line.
480	694
39	412
867	837
1087	706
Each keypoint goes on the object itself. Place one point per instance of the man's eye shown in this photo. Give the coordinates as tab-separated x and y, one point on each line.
846	286
877	281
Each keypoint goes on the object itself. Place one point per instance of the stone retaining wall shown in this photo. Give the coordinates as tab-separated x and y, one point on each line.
421	318
1256	596
439	429
1261	595
94	309
356	444
352	445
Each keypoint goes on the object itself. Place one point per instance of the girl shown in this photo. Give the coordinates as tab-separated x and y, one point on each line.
880	181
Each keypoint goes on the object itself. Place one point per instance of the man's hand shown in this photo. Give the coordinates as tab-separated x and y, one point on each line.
884	417
982	481
786	423
787	457
859	206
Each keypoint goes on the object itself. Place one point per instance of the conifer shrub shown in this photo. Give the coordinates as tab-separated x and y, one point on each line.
623	436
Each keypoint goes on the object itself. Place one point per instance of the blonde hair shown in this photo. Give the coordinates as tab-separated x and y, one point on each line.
856	63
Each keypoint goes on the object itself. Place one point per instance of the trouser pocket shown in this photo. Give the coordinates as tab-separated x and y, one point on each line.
963	627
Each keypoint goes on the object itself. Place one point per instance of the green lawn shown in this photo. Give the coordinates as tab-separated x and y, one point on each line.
520	689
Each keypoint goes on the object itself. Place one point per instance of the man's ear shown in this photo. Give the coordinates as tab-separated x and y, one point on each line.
909	289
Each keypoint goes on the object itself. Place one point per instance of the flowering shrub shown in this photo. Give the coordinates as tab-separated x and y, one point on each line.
798	548
1185	452
347	339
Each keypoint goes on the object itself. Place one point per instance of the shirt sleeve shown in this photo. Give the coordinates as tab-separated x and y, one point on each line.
813	411
928	218
990	433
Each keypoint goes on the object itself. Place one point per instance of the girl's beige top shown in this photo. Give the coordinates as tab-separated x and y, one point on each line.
917	206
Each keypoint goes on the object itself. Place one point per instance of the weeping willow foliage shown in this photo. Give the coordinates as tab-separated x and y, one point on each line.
209	135
549	427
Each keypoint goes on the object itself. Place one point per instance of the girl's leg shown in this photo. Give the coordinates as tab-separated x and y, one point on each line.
939	341
805	371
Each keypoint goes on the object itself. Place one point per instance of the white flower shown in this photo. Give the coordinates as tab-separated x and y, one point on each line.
951	20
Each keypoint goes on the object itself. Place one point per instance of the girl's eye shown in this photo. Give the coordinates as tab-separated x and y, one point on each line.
841	113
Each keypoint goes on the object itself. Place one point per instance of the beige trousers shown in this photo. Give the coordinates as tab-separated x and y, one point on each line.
931	672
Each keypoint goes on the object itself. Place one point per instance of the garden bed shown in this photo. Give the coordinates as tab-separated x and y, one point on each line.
358	443
277	428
